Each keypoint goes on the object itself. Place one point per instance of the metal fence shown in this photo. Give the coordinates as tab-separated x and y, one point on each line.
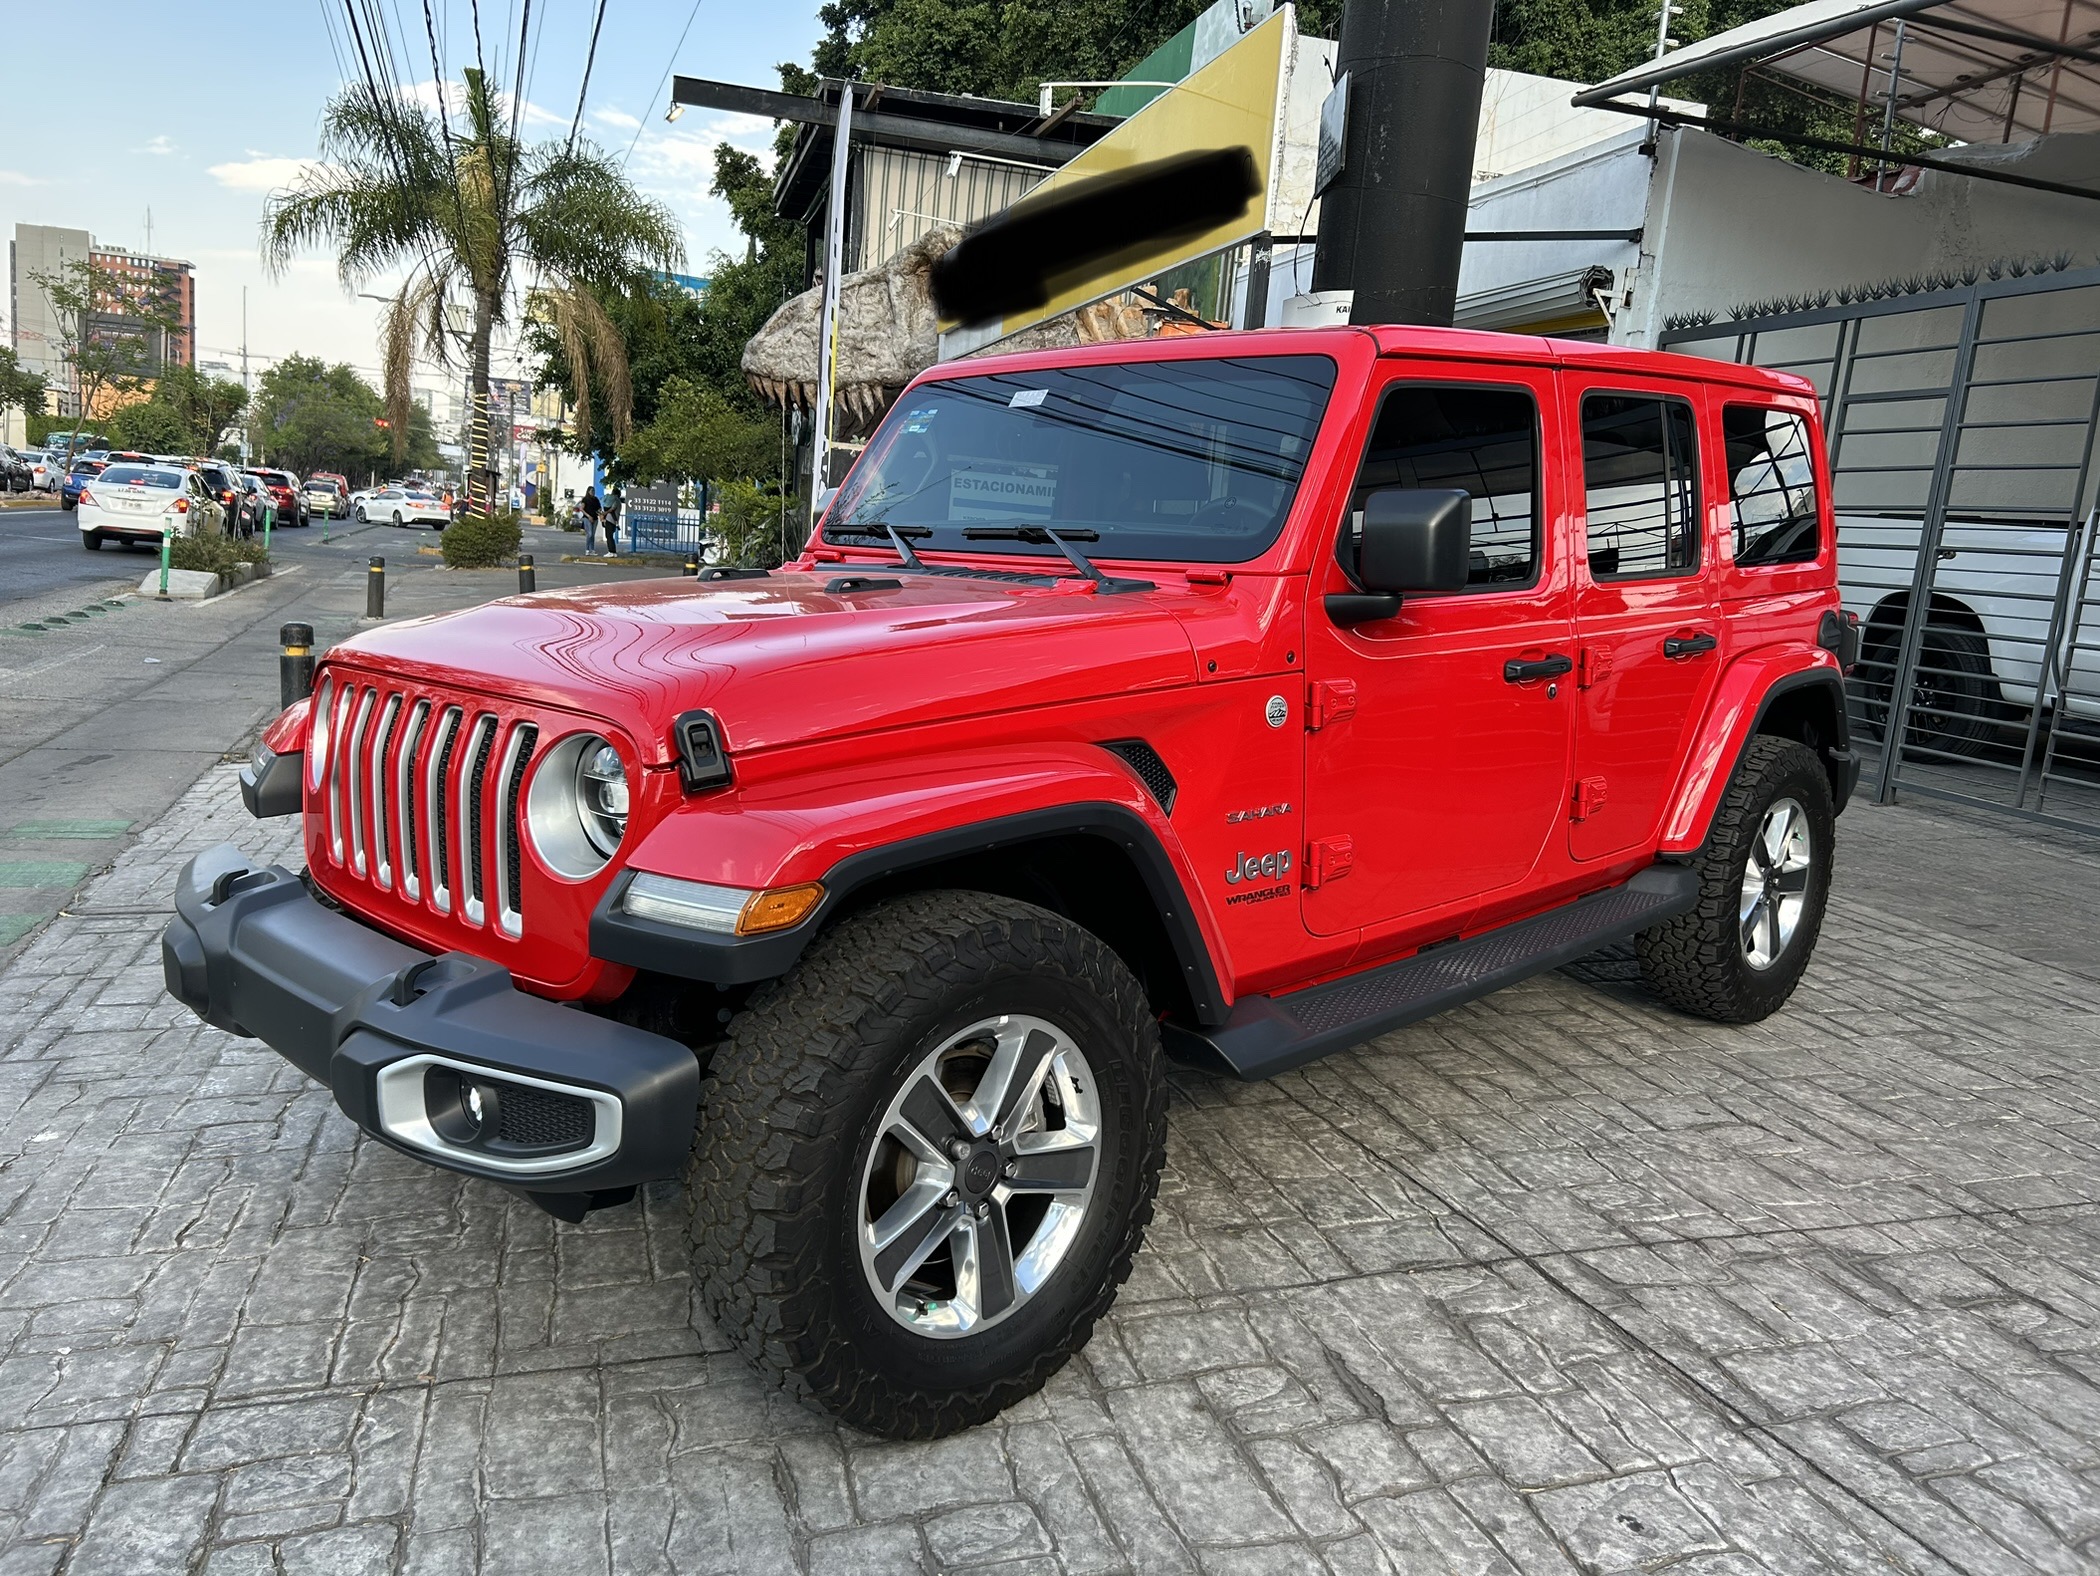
651	527
1961	428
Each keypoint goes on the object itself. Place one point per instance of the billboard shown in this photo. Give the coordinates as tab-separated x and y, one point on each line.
1237	99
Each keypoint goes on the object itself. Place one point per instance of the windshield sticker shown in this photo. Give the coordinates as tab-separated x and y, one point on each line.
1001	495
1027	397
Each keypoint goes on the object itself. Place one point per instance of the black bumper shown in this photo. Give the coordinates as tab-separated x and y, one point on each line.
589	1106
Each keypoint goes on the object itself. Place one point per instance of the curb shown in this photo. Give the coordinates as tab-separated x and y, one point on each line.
193	582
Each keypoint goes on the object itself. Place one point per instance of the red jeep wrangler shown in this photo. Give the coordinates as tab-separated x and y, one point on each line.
1240	697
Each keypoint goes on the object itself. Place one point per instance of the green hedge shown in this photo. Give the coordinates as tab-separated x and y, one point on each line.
214	554
482	541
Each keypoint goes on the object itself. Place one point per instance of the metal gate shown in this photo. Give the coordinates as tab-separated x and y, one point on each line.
1961	428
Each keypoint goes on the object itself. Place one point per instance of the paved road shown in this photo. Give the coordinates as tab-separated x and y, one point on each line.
41	555
1559	1282
111	711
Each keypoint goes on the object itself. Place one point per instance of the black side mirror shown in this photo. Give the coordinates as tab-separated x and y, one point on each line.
1415	539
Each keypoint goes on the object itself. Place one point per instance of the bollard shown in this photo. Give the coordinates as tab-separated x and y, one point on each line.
295	663
526	579
268	516
692	566
167	545
375	589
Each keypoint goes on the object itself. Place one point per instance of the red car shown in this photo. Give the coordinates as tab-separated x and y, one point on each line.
1243	696
285	492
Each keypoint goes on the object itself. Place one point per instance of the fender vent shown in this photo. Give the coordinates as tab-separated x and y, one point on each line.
1141	758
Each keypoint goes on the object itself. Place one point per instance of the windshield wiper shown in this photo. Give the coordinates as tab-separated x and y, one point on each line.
896	534
1062	540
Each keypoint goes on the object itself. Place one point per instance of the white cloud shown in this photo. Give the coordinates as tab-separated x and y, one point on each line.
260	172
159	147
741	127
615	117
17	178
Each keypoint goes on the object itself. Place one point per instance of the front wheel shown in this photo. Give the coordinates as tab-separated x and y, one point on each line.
1764	878
928	1157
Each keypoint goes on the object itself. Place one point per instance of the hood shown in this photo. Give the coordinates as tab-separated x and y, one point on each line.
784	661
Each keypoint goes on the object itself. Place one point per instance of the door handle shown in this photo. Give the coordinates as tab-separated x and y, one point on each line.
1678	647
1517	670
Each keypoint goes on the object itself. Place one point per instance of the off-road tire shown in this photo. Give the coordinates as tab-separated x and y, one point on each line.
788	1111
1695	962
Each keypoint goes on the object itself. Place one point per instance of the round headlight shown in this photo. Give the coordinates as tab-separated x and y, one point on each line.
601	796
576	805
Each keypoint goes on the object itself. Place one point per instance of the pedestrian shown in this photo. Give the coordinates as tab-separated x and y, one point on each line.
589	506
615	506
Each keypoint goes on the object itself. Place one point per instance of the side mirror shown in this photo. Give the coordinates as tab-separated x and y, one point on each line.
1415	539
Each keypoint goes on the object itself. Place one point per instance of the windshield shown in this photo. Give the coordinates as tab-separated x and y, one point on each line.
1177	460
138	476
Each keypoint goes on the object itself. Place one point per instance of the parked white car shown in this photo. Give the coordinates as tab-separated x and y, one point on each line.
141	503
404	506
47	468
1994	594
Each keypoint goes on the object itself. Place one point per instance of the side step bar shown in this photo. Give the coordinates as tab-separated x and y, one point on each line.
1267	1035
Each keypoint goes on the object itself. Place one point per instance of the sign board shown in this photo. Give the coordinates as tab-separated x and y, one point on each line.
1334	135
1237	100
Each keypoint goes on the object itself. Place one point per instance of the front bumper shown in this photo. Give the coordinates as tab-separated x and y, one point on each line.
570	1104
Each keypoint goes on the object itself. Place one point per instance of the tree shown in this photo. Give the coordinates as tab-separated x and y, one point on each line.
187	413
19	390
467	207
700	436
659	325
310	416
114	341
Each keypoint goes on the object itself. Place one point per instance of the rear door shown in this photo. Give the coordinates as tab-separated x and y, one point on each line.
1647	624
1436	774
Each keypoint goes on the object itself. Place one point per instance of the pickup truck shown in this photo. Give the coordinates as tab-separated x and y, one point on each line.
1237	698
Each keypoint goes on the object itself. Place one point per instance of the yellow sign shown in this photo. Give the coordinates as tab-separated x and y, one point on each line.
1235	101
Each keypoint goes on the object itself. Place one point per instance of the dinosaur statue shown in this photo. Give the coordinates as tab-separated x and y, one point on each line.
888	333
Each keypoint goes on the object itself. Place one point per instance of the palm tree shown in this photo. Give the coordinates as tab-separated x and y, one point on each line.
468	208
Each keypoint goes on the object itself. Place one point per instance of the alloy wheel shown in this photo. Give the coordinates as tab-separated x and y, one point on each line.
1775	883
980	1176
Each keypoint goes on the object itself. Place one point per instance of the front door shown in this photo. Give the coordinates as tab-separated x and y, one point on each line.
1644	611
1436	773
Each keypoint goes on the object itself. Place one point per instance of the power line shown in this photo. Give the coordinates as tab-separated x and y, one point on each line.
590	56
650	108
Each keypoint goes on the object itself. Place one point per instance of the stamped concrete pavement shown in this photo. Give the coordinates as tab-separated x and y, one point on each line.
1559	1282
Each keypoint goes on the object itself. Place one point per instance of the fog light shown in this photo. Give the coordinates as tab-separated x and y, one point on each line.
475	1108
460	1110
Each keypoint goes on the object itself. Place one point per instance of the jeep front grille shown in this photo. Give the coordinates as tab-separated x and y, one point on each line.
422	800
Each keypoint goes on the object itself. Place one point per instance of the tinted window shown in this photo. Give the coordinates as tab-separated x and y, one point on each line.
1481	441
1191	460
1639	472
126	475
1771	486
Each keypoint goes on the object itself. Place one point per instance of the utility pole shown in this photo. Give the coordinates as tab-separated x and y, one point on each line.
828	320
1393	223
248	410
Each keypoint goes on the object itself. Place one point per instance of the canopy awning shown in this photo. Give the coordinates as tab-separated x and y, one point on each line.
1976	70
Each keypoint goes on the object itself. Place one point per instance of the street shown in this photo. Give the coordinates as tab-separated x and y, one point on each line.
41	562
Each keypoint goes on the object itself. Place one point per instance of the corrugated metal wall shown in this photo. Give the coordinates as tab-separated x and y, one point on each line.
899	196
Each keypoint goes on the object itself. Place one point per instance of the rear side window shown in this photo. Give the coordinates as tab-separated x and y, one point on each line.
1771	486
1482	441
126	475
1640	468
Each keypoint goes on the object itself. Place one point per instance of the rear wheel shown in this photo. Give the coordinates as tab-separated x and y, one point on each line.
927	1159
1953	694
91	540
1764	877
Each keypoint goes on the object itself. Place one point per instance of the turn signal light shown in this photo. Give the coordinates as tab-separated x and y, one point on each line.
87	497
779	908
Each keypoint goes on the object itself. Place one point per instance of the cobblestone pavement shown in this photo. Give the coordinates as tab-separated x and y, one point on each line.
1558	1282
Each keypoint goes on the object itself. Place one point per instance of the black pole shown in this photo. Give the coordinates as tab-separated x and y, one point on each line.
527	580
1394	222
375	589
692	562
295	663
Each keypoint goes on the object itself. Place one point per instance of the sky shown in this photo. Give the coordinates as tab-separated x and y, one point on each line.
233	107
